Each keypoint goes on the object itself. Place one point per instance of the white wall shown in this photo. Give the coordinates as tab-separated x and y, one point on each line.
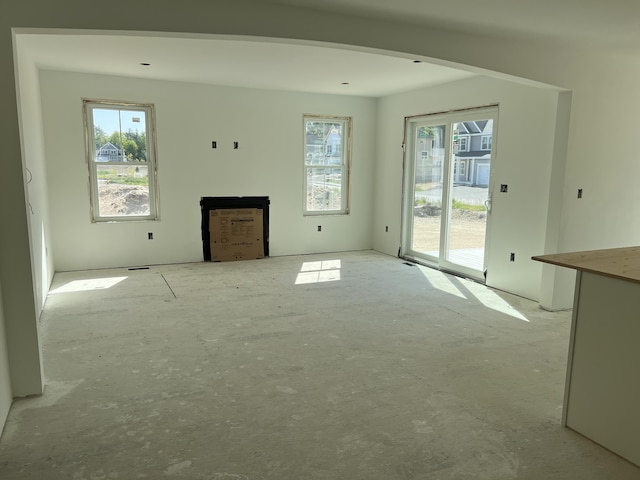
5	379
603	158
36	172
20	305
557	284
268	126
525	141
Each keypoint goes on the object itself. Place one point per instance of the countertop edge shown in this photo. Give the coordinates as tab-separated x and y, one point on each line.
620	263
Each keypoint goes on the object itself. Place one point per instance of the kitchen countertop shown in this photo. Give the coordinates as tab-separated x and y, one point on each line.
621	263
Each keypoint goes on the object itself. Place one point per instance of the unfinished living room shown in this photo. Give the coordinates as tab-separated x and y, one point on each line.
249	251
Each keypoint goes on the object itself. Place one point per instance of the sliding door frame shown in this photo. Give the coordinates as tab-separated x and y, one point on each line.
408	190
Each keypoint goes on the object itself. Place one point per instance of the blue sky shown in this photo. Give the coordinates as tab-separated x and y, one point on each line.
118	120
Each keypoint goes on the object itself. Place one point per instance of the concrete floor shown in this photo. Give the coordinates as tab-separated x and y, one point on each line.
336	366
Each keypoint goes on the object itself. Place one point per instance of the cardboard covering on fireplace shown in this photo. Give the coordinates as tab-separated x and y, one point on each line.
235	228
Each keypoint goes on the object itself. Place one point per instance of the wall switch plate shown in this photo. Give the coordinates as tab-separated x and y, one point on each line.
504	187
579	193
214	144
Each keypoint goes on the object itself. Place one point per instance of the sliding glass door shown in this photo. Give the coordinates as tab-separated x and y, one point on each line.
447	201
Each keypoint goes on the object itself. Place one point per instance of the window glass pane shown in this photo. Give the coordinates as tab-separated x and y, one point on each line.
123	190
428	178
326	157
324	189
120	135
324	142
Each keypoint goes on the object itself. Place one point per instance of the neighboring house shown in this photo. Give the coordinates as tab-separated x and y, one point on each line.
109	153
429	155
314	148
332	143
473	158
472	154
325	149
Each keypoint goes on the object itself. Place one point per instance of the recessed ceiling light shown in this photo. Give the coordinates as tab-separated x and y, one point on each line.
144	64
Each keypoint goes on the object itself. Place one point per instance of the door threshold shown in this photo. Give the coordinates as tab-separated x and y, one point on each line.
440	268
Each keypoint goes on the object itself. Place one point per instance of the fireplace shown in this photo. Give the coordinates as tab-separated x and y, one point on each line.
235	228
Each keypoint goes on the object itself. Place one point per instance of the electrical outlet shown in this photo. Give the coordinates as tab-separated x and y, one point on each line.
150	235
512	257
504	188
235	145
214	144
319	228
579	193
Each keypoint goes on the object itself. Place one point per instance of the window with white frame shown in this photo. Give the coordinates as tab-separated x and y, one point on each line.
120	144
486	142
463	145
326	164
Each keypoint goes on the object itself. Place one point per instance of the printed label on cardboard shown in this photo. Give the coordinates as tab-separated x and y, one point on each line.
236	234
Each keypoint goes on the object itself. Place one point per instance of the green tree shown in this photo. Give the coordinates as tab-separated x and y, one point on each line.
130	149
139	147
116	139
100	136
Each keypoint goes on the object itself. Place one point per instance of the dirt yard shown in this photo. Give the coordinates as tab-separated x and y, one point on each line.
118	200
468	230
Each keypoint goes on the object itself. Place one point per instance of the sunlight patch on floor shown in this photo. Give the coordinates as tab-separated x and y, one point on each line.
88	284
492	300
441	281
319	272
483	294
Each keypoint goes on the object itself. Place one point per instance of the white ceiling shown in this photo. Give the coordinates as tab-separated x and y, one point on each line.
242	63
614	24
